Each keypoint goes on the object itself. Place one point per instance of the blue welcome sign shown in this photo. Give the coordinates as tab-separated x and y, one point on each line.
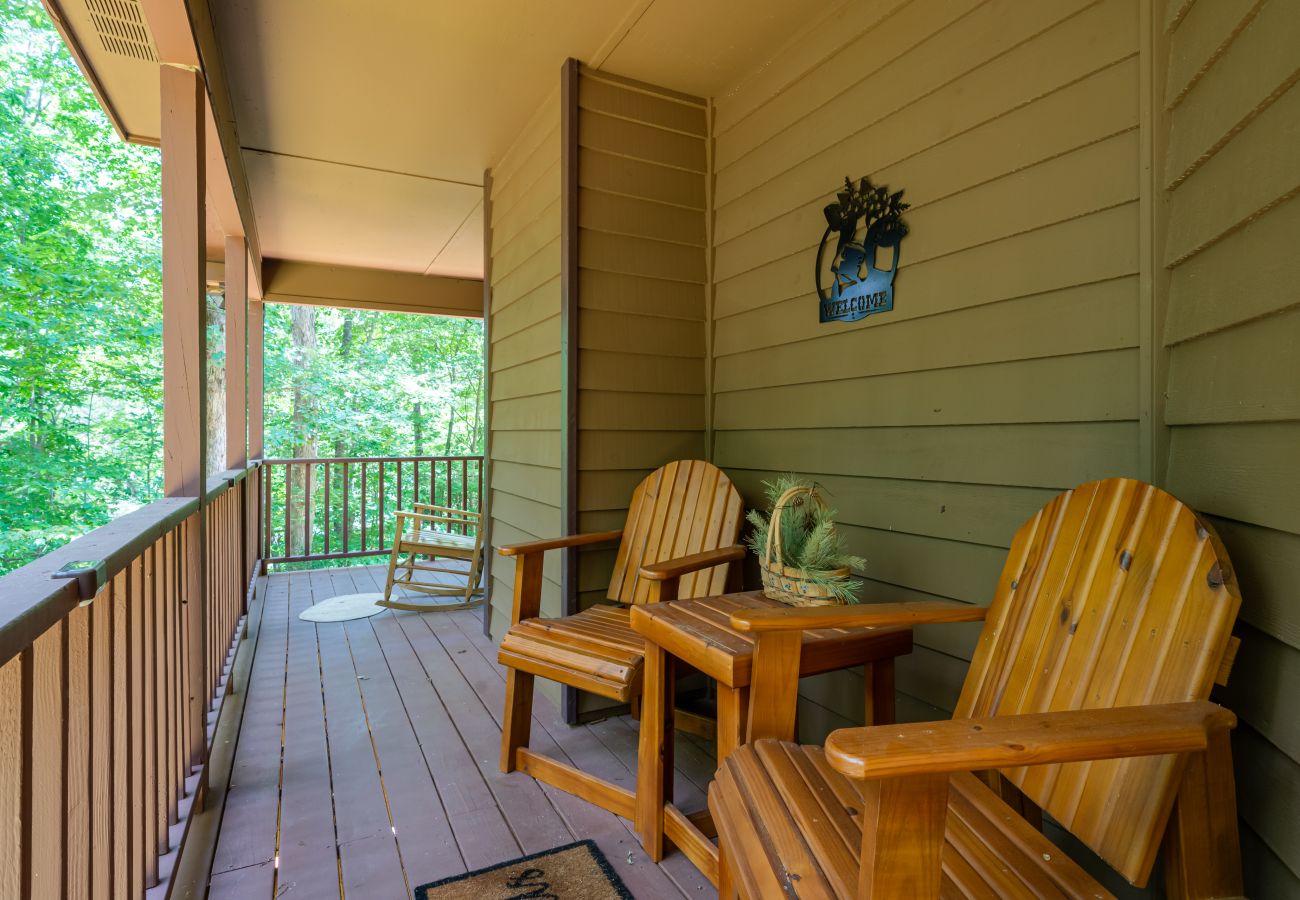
852	284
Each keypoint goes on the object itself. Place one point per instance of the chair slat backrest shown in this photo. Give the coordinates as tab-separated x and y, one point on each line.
685	507
1114	594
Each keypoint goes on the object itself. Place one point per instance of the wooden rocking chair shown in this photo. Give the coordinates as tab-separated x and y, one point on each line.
431	532
1086	697
685	517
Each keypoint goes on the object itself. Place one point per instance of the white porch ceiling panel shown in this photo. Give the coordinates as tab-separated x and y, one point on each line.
366	127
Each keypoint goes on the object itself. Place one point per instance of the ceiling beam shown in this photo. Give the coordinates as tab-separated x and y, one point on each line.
208	55
319	284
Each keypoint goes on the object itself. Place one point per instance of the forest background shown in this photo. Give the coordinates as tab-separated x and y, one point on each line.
81	327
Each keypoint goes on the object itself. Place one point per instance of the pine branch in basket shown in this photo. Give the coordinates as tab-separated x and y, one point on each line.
808	540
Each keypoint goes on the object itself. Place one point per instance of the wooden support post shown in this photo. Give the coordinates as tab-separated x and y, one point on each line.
236	353
184	284
184	352
256	439
236	265
256	325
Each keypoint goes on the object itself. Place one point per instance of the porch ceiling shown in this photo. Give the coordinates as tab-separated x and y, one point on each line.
366	130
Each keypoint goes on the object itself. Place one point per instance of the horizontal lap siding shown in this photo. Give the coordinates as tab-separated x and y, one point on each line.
524	355
1232	333
641	297
1008	369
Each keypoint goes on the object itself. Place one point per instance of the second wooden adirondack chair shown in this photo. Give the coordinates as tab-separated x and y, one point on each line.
1087	695
686	517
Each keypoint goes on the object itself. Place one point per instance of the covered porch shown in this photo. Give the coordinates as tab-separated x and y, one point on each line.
1098	279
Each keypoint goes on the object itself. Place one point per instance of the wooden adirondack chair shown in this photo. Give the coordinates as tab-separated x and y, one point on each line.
683	522
1087	693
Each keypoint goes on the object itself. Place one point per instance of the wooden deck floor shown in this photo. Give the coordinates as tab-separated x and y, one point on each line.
367	760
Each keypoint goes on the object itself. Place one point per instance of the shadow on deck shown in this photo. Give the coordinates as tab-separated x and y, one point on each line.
367	759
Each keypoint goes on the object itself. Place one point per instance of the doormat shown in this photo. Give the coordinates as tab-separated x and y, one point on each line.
572	872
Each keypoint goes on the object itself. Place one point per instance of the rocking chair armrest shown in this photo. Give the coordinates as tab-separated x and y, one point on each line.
866	615
572	540
966	745
472	515
406	514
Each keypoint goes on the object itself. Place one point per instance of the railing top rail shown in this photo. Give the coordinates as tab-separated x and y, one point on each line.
368	459
32	600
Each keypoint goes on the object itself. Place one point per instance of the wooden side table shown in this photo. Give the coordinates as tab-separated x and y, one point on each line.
699	633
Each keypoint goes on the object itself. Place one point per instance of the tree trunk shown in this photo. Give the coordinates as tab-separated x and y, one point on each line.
303	333
476	427
417	423
214	354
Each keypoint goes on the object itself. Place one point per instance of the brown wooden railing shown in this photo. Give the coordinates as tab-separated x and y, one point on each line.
341	507
107	700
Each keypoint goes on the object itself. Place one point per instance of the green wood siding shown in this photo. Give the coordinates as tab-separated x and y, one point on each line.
1231	173
1008	369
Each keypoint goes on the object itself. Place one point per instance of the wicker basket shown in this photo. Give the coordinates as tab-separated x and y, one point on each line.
784	583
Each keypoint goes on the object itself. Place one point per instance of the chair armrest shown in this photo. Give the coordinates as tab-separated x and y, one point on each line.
665	577
448	510
527	602
865	615
684	565
572	540
965	745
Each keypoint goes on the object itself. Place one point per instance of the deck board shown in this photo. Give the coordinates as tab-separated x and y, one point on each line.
369	750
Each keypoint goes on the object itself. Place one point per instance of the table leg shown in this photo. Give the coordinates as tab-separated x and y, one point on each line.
654	766
880	692
733	710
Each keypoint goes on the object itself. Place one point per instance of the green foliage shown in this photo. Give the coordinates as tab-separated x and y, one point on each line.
80	348
372	383
808	538
81	326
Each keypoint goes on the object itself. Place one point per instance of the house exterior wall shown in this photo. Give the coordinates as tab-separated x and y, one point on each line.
641	277
524	354
1099	280
1231	172
1007	370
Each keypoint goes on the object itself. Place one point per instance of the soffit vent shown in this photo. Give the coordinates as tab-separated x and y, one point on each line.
121	28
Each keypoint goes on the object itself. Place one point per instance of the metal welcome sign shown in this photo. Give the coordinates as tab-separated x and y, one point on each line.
858	285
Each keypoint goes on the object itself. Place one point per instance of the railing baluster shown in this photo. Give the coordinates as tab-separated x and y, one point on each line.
306	509
326	528
382	524
149	788
288	504
347	522
77	772
446	500
46	786
464	490
162	569
365	505
11	774
399	484
415	482
267	479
